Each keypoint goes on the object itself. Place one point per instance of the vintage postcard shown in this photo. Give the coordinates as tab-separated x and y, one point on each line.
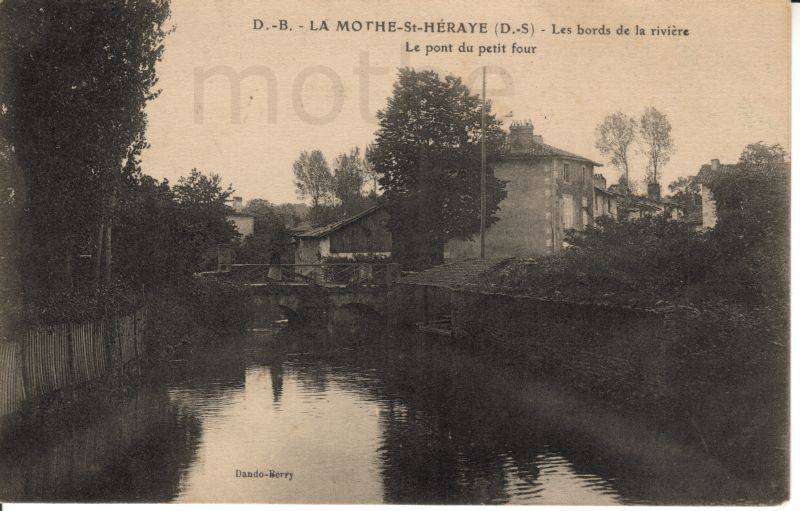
356	252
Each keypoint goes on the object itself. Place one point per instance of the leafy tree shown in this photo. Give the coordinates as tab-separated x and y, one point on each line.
760	153
655	131
198	189
752	232
428	153
167	233
313	180
348	181
371	176
270	237
614	137
76	77
685	191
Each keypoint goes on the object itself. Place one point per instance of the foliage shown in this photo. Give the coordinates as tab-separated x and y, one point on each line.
641	261
166	234
752	232
685	191
428	153
271	238
655	131
614	137
196	312
348	181
76	77
760	153
313	178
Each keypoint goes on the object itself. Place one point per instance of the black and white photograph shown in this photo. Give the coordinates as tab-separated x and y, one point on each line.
357	252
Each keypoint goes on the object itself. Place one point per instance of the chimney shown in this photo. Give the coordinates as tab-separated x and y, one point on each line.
521	138
599	181
654	191
714	164
238	206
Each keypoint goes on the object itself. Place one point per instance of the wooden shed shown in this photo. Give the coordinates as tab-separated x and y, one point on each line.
365	234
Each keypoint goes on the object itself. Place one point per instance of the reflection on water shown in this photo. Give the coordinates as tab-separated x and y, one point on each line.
392	418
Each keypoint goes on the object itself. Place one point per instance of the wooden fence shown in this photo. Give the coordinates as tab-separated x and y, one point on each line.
44	360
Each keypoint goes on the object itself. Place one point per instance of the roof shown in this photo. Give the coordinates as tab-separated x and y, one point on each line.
300	227
540	149
639	200
321	232
707	173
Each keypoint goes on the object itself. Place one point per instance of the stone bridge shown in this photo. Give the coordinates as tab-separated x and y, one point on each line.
321	304
315	293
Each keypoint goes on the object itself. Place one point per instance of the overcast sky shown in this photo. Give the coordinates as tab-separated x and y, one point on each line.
724	86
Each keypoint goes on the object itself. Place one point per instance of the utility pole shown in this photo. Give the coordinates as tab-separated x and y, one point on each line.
483	166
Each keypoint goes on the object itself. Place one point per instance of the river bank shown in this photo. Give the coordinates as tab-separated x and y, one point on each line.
698	378
357	416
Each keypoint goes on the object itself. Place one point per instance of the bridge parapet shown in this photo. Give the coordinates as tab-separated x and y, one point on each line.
355	274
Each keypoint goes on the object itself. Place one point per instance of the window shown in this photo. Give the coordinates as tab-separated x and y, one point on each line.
566	172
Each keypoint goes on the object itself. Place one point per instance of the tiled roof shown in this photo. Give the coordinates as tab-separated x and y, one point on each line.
538	149
321	232
707	173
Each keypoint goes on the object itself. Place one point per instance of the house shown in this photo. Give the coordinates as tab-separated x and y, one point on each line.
610	201
653	204
606	201
243	222
714	169
362	235
549	190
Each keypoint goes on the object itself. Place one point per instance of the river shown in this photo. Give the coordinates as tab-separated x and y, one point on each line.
387	417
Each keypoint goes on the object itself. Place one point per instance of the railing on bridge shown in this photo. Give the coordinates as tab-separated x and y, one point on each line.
324	274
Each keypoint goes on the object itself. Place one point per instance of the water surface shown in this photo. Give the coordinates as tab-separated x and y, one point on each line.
385	417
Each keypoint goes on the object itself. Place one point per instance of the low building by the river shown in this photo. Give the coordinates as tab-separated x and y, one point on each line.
549	190
365	234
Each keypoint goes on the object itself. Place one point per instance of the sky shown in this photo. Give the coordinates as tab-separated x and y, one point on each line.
723	86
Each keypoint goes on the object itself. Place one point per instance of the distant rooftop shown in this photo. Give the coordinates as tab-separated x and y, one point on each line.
321	232
523	143
711	170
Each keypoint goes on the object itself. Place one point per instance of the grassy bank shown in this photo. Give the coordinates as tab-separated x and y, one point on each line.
727	360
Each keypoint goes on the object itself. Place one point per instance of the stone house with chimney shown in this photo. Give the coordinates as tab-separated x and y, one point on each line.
549	190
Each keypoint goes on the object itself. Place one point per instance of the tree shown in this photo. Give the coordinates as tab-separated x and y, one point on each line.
270	234
76	77
685	191
313	179
428	154
348	182
614	137
761	153
371	175
656	134
167	233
